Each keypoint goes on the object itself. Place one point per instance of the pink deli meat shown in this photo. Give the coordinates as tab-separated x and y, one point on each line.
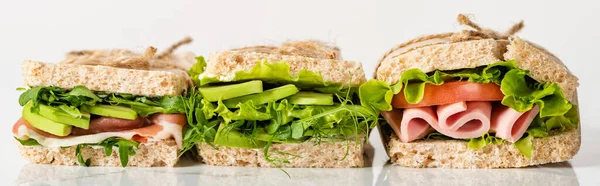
463	120
414	122
510	124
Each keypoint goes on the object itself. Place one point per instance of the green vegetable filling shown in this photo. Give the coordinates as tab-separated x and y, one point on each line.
288	109
56	110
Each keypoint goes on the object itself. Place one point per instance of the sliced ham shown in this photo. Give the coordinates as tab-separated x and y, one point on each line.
164	126
510	124
463	120
412	124
108	124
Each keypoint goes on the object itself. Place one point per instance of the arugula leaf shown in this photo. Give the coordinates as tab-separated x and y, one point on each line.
126	149
82	91
31	94
172	104
28	142
70	101
85	163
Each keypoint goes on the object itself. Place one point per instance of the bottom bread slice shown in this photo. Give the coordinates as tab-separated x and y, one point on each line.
308	154
456	154
150	154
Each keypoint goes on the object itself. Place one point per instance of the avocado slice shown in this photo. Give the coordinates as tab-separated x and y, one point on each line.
45	124
311	98
225	92
112	111
264	97
236	139
57	115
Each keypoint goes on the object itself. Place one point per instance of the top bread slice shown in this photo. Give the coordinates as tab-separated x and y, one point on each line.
152	83
440	54
305	55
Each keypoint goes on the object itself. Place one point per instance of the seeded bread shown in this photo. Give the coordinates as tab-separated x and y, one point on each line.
151	154
150	83
327	154
308	55
443	55
455	153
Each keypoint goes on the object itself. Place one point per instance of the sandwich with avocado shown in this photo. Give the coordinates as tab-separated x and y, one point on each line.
476	99
104	108
294	105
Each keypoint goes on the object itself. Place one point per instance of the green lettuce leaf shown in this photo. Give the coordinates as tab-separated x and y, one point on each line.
28	142
522	95
377	95
480	142
525	145
197	69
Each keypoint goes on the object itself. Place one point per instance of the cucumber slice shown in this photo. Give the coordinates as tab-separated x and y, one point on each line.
57	115
311	98
45	124
225	92
264	97
236	139
112	111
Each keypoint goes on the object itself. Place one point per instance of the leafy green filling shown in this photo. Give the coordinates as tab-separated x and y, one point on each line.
71	101
258	126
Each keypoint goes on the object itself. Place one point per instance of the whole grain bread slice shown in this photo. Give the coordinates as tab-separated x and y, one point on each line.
303	55
308	154
151	83
455	153
150	154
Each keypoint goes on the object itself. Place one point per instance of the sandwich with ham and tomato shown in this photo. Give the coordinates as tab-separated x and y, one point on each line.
104	108
475	99
293	105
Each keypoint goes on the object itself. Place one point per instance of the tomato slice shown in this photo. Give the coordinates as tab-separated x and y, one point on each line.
452	92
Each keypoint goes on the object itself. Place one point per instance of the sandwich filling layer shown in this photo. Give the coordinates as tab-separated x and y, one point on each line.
490	104
268	104
54	117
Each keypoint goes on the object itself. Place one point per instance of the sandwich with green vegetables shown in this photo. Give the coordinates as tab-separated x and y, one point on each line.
104	108
475	99
294	105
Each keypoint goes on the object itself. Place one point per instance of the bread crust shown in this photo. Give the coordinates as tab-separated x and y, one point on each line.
152	83
544	66
441	56
455	153
327	154
150	154
224	65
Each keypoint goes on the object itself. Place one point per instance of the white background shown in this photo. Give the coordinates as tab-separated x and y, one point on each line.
364	30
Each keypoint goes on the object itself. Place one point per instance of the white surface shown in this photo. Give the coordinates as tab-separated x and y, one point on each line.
364	30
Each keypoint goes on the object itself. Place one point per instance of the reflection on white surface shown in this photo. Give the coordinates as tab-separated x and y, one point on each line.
552	174
32	174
